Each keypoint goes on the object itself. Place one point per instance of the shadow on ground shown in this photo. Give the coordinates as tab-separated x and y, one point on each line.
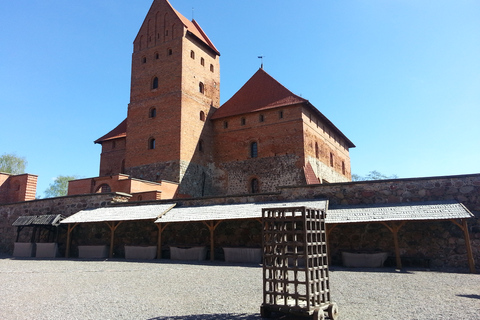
223	316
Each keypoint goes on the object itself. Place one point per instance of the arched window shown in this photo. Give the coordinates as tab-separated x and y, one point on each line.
144	59
343	167
200	145
317	151
202	61
157	56
331	159
192	54
104	188
169	51
152	113
253	150
155	83
212	68
202	116
261	118
243	121
201	87
151	143
254	186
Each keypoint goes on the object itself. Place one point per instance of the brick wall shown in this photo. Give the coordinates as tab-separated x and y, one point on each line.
16	188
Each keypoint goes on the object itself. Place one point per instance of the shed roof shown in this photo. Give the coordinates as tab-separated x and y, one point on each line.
119	131
41	220
420	211
127	213
231	211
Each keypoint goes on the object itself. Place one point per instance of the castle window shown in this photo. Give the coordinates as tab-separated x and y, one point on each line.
243	121
201	87
253	150
152	113
192	54
155	83
254	186
202	61
169	52
151	143
317	151
212	68
261	118
114	144
202	116
331	159
343	167
144	60
225	124
280	114
157	56
200	145
104	188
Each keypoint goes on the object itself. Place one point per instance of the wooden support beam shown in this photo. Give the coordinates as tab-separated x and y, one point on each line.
329	228
212	225
394	229
70	228
113	226
468	244
161	227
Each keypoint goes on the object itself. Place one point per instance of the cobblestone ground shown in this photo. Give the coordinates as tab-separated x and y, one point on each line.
76	289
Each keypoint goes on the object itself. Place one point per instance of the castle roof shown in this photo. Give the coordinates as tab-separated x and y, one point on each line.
193	27
263	92
120	131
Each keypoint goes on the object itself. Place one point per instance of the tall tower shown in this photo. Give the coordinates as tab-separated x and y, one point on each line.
175	87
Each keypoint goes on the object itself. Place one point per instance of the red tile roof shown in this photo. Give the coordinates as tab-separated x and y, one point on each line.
261	92
120	131
195	29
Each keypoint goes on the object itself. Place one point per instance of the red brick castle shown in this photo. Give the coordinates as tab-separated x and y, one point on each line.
178	141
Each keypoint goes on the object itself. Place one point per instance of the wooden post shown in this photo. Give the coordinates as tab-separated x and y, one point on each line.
159	240
113	226
468	245
70	228
212	225
328	231
394	229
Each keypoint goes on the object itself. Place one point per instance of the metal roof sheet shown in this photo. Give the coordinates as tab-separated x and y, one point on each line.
127	213
435	210
41	220
231	211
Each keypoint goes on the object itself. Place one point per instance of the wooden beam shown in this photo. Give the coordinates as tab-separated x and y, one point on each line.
70	228
394	229
212	225
160	227
468	245
113	226
328	230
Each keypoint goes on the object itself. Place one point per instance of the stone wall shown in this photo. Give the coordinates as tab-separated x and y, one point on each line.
440	243
61	205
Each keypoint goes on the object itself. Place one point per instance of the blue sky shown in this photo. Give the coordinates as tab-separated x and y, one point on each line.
400	78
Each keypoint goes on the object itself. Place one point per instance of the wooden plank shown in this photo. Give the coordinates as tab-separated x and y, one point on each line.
70	228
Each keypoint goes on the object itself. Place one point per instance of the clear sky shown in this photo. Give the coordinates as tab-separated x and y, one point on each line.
400	78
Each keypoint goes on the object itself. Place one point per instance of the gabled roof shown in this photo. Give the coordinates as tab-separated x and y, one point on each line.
120	131
261	92
192	26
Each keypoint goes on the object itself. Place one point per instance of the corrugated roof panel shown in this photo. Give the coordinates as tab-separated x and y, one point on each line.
231	211
127	213
41	220
439	210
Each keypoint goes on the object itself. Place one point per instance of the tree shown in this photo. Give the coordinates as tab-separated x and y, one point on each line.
13	164
373	175
59	187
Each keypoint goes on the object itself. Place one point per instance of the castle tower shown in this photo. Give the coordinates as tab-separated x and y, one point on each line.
175	87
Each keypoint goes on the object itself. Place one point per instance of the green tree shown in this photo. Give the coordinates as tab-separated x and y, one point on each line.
59	187
373	175
13	164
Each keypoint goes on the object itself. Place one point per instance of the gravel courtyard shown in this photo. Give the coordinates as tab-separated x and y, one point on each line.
77	289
